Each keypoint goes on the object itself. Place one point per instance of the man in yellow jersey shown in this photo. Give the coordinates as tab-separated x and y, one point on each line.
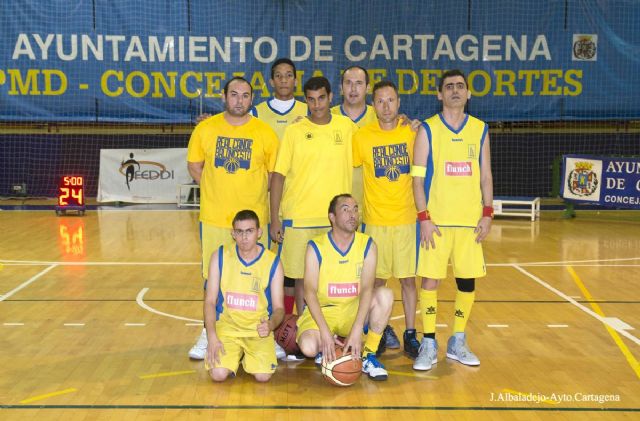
453	191
314	164
278	112
340	268
243	303
354	82
384	149
231	156
281	110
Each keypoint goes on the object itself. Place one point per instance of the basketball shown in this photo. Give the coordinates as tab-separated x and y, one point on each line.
285	334
343	371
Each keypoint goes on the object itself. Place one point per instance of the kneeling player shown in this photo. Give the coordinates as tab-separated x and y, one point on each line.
243	304
340	268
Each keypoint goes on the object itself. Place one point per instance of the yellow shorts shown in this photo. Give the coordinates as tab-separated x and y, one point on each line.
459	245
339	318
212	237
397	249
258	355
294	247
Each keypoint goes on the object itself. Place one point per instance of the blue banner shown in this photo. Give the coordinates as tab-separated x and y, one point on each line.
606	181
164	61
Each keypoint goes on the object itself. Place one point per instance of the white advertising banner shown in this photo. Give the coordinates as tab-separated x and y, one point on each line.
141	175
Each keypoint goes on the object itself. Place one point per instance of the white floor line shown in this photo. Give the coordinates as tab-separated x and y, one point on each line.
498	326
74	324
13	324
43	263
557	326
141	303
135	324
27	282
580	306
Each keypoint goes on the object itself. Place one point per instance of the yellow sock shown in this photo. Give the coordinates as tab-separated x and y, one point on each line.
429	308
464	302
372	342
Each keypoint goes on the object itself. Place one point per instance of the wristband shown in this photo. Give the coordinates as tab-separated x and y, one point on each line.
424	215
487	211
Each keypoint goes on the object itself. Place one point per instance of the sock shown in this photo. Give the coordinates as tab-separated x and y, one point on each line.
464	302
429	308
289	301
372	342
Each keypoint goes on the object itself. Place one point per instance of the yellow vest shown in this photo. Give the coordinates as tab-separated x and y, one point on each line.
340	273
245	291
452	183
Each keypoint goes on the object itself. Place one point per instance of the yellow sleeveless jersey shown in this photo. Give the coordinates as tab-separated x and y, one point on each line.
386	156
452	182
367	117
237	160
317	161
245	291
277	120
339	279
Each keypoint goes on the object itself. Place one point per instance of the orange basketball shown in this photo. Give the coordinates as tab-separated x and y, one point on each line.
343	371
285	334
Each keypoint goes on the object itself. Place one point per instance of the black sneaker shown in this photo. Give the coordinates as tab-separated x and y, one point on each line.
390	338
411	344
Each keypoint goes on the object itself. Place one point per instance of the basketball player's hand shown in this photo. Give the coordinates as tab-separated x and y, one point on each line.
328	346
214	350
483	228
202	117
276	232
263	328
415	124
427	229
353	344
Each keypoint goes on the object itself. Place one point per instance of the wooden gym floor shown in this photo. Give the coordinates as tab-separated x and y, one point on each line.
97	314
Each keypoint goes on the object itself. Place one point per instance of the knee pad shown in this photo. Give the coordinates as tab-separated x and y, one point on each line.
289	282
466	284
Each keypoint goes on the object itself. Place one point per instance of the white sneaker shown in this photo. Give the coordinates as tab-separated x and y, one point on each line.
199	350
427	355
280	352
457	349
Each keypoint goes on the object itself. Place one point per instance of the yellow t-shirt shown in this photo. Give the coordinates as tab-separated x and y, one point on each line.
452	182
340	273
367	117
237	160
386	156
277	120
317	163
245	291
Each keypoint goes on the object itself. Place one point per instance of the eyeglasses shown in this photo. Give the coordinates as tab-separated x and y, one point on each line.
240	233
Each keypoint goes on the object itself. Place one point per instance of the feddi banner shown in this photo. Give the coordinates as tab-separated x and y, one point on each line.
141	175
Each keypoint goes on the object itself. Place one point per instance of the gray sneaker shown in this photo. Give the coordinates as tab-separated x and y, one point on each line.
457	349
427	355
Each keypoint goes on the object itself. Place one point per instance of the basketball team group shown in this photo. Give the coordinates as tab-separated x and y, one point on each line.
308	210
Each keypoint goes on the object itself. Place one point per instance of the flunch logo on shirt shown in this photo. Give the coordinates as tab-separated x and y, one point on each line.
343	290
337	138
308	135
233	154
242	302
458	169
391	161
